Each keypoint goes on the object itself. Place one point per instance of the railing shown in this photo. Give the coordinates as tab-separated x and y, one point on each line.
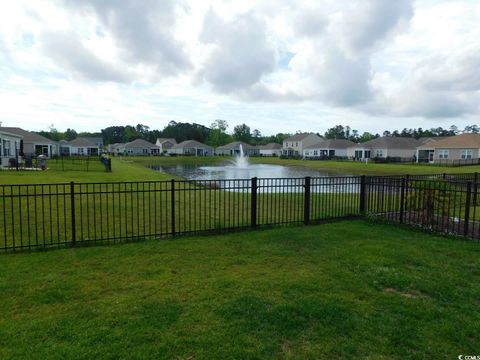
45	215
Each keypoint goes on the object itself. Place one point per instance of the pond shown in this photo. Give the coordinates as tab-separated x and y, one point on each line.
235	176
232	171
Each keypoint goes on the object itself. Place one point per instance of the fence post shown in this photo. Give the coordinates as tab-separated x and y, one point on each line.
363	179
402	200
467	208
475	188
72	208
254	202
172	193
306	201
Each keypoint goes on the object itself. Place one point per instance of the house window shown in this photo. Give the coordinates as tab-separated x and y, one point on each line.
296	144
315	152
443	154
6	148
379	153
466	154
80	151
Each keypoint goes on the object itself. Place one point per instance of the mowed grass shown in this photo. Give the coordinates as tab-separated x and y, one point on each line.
349	289
123	169
357	168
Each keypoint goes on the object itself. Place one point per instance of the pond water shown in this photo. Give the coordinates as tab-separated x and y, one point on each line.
234	172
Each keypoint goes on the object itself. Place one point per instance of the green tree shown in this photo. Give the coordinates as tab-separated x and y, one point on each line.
242	133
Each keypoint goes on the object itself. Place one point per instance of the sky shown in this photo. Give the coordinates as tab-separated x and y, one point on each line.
276	65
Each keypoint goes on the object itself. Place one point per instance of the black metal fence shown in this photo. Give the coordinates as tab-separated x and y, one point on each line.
80	163
44	215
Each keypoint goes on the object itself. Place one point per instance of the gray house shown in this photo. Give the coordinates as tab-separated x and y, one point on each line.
33	144
139	147
233	149
328	148
84	147
191	147
384	147
9	147
294	145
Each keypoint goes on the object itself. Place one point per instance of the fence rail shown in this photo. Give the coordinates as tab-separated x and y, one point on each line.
45	215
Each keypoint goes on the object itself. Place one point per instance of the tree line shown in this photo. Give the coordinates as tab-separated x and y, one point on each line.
218	133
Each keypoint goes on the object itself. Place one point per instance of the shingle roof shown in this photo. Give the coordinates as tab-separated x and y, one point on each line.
300	137
140	143
464	141
27	135
162	140
95	140
192	144
390	142
270	146
82	142
235	145
332	144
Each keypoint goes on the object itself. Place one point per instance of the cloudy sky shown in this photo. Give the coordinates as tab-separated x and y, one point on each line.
277	65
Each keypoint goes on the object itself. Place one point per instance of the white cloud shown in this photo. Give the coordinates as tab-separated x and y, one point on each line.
243	60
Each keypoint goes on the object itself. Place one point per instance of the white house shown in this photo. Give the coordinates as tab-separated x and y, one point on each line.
191	147
165	143
9	147
294	145
84	147
328	148
271	149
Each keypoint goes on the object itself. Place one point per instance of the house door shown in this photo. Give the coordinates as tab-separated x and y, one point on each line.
430	156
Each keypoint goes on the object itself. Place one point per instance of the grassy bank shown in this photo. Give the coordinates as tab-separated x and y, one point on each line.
357	168
336	290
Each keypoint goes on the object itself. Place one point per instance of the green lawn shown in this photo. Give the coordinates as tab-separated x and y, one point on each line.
355	168
134	169
350	290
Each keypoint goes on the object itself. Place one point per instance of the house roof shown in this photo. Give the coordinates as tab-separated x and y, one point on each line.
270	146
390	142
464	141
162	140
95	140
140	143
430	139
236	144
27	135
9	133
332	144
82	142
300	137
192	144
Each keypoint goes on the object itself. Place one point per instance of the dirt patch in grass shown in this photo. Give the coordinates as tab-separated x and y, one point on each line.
412	294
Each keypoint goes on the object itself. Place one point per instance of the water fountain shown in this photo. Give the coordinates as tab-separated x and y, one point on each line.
241	161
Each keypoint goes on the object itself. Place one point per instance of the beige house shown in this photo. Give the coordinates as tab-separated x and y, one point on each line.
328	148
294	145
384	147
459	147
